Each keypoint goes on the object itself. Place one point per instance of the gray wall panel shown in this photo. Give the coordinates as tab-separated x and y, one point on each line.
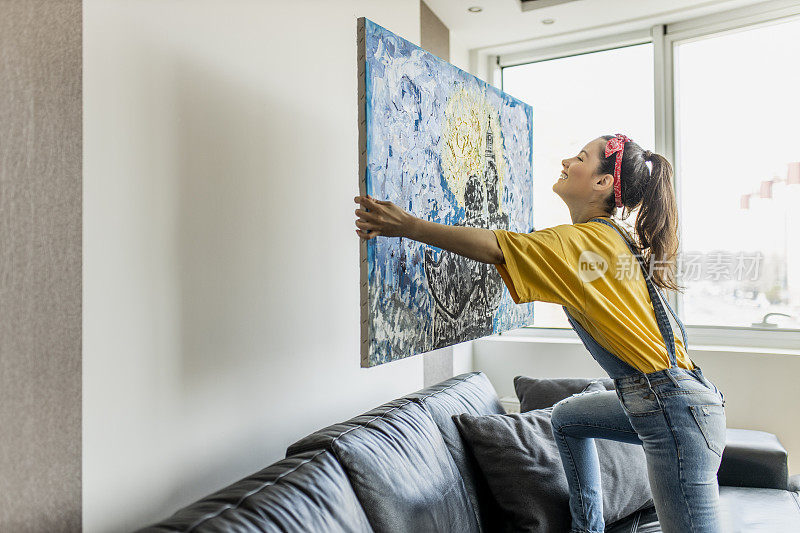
40	265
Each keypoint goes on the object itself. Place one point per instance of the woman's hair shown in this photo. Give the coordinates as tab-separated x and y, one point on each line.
656	223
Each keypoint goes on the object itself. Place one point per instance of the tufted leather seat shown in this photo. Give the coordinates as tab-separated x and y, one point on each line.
403	467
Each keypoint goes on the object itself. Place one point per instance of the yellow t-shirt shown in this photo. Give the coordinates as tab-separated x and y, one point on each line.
564	265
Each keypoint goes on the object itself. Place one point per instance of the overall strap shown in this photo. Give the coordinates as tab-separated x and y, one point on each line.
655	297
661	296
656	287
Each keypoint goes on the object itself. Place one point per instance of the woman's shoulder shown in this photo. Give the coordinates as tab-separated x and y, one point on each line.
590	235
607	226
595	236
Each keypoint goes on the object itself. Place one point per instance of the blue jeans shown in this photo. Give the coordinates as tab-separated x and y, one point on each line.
679	418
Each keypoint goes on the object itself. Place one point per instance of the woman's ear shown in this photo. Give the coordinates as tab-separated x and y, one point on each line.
603	182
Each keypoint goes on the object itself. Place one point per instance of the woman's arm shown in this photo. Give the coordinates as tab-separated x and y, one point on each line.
476	243
385	218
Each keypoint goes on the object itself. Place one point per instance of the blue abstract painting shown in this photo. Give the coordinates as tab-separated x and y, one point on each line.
449	148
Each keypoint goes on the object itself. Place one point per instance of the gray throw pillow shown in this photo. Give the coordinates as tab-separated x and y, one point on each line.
518	457
538	393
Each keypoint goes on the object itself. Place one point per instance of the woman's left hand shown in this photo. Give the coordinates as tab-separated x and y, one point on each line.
381	218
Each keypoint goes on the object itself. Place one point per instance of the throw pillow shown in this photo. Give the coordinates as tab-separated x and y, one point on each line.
538	393
518	457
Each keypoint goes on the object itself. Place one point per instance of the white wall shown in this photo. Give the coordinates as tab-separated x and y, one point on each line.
459	53
221	299
760	387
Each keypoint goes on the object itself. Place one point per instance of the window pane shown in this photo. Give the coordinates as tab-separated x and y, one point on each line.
738	113
575	100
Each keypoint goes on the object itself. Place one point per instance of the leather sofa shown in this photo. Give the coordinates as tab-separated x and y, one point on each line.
402	467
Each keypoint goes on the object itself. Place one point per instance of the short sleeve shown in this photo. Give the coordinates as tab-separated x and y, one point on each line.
535	268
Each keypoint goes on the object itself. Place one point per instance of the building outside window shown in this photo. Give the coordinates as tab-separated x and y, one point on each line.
738	138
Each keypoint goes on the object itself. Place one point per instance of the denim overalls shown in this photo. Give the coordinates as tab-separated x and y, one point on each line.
677	415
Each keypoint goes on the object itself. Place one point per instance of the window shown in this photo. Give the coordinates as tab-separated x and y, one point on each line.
717	96
737	118
576	99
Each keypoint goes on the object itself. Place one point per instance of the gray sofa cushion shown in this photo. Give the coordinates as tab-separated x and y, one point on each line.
742	510
521	463
759	510
753	459
538	393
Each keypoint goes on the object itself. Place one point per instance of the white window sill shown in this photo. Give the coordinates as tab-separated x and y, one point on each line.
727	340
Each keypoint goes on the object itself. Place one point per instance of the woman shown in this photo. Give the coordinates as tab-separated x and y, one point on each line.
597	272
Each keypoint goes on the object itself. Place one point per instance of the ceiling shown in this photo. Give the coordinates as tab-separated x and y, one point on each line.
504	22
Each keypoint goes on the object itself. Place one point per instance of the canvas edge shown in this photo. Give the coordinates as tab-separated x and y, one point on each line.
361	67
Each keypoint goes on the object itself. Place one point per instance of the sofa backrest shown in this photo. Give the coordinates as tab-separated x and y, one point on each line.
470	393
400	468
320	438
306	492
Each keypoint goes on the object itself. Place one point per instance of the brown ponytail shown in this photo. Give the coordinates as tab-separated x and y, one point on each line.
652	194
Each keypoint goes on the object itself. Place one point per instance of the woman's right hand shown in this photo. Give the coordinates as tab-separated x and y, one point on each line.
381	218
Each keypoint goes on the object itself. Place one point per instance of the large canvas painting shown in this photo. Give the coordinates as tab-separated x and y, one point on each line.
449	148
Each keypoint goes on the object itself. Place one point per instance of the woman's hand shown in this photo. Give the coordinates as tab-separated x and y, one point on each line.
381	218
385	218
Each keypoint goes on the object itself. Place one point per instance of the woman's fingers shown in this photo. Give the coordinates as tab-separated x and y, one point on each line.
380	217
367	236
374	208
366	215
366	225
366	203
369	201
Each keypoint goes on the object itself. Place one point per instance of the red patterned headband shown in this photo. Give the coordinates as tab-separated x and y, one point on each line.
617	144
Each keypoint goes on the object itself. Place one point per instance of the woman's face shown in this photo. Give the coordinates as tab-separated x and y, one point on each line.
578	182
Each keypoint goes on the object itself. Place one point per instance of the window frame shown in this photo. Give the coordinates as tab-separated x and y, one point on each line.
665	38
